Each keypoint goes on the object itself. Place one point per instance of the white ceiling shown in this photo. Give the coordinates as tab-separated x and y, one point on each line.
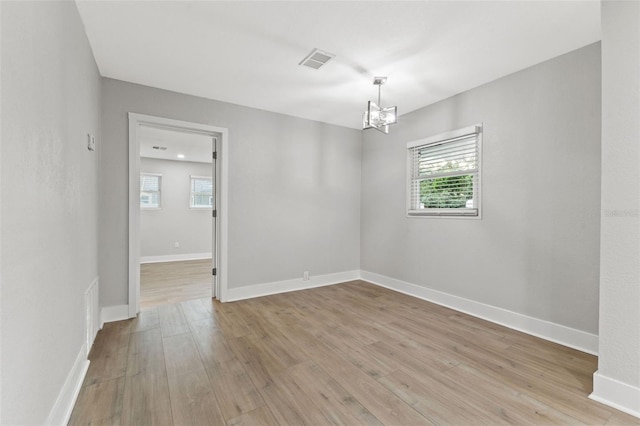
191	146
247	52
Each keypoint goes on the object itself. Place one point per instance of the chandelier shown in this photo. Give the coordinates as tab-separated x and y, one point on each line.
376	116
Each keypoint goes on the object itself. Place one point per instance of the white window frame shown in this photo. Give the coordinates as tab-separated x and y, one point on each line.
159	177
468	213
191	193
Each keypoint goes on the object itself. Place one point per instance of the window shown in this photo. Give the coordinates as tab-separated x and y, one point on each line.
201	192
444	174
150	190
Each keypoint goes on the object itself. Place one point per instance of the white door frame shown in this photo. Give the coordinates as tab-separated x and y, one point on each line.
222	170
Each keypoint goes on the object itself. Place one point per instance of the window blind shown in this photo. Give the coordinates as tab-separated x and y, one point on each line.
150	191
201	192
444	174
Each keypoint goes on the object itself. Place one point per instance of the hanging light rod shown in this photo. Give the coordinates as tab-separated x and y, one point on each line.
377	117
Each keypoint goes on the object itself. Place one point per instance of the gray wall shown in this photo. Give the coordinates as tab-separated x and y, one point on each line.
50	101
175	221
294	188
620	250
536	249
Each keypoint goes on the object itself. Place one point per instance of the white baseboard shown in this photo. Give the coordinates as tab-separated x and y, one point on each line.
616	394
577	339
62	408
248	292
174	257
113	313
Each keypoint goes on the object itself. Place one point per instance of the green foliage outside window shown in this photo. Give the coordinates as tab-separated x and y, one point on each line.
446	192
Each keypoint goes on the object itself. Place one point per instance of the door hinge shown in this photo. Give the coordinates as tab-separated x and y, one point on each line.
214	213
214	271
215	155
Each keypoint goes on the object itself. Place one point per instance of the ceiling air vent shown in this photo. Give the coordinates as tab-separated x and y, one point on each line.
316	59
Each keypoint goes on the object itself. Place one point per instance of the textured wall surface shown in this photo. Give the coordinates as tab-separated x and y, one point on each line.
294	188
535	249
175	221
50	101
620	249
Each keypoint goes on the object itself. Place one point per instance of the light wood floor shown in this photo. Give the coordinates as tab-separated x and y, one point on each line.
173	282
346	354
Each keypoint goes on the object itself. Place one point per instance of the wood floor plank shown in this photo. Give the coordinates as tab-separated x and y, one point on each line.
280	346
440	404
385	406
228	318
174	282
146	353
306	306
259	361
111	364
100	403
260	416
277	314
146	400
289	405
337	404
572	359
444	326
619	418
369	307
352	353
523	377
181	354
193	401
212	345
113	335
148	318
415	360
339	305
572	375
235	391
254	321
356	353
194	310
474	351
562	399
172	320
491	392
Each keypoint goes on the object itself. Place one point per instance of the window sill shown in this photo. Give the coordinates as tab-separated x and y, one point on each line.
446	213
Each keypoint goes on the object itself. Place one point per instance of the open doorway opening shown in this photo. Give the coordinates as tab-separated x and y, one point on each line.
177	201
177	227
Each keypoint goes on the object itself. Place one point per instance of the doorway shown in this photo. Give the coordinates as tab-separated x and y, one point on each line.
177	207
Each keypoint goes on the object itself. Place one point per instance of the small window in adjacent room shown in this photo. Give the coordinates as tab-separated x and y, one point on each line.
444	174
150	190
201	192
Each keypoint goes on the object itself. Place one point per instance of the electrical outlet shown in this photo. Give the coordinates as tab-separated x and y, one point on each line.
176	244
305	276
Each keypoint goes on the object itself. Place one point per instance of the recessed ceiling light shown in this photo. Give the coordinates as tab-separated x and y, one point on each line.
317	58
180	155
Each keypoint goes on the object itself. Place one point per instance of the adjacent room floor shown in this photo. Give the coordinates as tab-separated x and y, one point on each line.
352	353
173	282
